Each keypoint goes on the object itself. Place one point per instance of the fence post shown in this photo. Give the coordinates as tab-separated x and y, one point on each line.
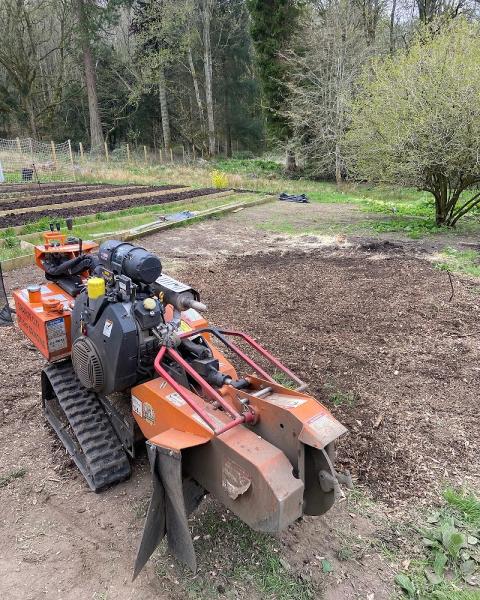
193	151
80	145
145	153
54	152
171	155
31	147
71	159
106	150
128	152
183	152
161	155
19	145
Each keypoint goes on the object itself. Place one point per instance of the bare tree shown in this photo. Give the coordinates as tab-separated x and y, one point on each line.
323	80
371	11
206	10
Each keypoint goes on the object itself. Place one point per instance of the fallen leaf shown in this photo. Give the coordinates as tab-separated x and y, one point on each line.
327	566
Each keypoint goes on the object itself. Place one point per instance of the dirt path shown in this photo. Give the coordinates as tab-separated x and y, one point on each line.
372	329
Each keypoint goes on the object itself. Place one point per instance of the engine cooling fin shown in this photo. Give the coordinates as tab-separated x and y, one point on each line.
87	364
79	419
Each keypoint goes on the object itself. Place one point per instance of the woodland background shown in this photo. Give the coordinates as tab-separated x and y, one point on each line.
224	76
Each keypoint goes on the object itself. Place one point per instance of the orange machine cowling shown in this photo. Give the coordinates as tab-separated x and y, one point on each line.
44	314
55	243
45	322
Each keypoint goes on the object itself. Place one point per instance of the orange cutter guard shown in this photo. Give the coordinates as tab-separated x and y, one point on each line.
237	418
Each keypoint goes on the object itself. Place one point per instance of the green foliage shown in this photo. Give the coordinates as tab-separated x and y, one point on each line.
460	261
416	121
256	166
451	552
466	503
272	26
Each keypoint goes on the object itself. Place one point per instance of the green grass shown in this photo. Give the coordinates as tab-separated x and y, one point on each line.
460	261
245	559
465	503
9	477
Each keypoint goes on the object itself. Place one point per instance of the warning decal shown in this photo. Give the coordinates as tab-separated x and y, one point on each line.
56	335
107	328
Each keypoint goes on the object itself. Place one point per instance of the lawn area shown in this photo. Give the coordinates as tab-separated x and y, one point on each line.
408	211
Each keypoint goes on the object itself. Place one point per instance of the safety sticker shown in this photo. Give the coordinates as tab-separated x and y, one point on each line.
148	413
137	406
235	480
191	314
285	401
56	335
176	399
326	426
184	326
107	328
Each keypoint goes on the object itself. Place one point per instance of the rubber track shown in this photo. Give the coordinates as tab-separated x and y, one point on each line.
102	460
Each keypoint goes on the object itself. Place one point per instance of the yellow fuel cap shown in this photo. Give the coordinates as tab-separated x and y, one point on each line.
95	287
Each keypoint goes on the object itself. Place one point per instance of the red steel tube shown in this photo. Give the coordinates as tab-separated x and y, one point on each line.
266	354
185	394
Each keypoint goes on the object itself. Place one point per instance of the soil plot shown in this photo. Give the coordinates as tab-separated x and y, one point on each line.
380	344
12	220
75	196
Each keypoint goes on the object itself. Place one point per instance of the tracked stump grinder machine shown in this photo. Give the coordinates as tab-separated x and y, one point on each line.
131	358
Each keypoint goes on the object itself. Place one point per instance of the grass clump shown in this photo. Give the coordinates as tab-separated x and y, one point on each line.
450	563
460	261
466	503
9	477
234	561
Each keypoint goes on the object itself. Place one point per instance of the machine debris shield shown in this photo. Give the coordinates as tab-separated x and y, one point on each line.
167	513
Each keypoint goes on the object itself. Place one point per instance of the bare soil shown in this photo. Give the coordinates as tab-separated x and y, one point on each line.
13	219
368	323
18	191
74	196
35	187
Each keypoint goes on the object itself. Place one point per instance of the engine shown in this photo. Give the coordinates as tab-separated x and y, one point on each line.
118	321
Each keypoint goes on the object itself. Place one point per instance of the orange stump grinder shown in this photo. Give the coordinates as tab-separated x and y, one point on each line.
131	358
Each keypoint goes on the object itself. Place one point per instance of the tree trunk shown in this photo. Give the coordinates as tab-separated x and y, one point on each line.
207	61
338	165
291	164
392	27
162	89
96	134
441	200
226	109
196	87
31	116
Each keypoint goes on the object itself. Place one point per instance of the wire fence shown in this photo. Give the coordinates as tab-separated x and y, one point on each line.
28	160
